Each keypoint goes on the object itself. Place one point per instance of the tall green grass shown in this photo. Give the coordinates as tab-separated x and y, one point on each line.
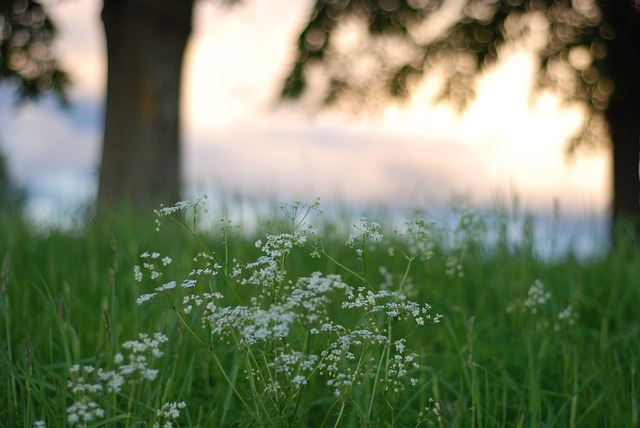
522	342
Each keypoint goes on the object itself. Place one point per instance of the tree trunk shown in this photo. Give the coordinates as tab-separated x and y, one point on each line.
624	125
146	40
623	113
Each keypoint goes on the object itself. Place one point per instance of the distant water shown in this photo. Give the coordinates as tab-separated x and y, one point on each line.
553	235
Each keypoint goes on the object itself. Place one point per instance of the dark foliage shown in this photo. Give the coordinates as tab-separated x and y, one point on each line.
12	197
471	42
26	57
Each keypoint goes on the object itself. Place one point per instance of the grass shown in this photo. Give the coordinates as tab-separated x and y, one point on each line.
521	342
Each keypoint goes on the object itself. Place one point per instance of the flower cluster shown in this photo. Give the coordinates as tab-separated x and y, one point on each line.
291	372
364	231
316	328
84	412
419	237
183	208
150	269
539	303
401	363
340	362
431	414
168	412
150	264
454	267
133	368
538	296
391	304
269	271
567	317
88	384
304	303
211	266
85	409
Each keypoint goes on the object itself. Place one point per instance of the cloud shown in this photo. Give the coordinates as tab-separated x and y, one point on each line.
236	142
286	157
52	152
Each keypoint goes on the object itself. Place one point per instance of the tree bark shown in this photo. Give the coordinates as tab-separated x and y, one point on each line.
623	113
624	125
146	41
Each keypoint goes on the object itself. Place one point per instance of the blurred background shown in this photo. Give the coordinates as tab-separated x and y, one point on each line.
241	140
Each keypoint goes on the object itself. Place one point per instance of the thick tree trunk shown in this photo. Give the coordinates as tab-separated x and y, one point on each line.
146	40
624	125
623	113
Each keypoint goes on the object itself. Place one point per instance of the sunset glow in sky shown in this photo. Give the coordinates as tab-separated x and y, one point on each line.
238	140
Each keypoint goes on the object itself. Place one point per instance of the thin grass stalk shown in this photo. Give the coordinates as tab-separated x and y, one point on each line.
218	364
476	408
5	307
384	356
634	397
300	393
574	393
533	385
340	413
229	393
252	362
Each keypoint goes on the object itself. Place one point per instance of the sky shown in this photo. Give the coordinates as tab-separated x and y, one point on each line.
238	140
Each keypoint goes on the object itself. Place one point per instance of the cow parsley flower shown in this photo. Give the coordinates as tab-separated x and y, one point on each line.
137	273
169	412
537	296
364	231
188	283
566	317
419	237
168	286
145	298
83	413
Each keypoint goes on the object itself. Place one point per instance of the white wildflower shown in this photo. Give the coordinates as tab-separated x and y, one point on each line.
454	267
365	231
567	316
82	413
168	286
171	410
188	283
299	381
145	298
537	296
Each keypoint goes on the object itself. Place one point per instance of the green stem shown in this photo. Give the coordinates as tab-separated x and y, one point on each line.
384	356
340	265
227	398
406	272
231	384
193	333
363	258
344	402
219	364
299	398
254	362
328	413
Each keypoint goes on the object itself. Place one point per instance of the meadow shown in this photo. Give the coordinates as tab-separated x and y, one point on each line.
180	319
